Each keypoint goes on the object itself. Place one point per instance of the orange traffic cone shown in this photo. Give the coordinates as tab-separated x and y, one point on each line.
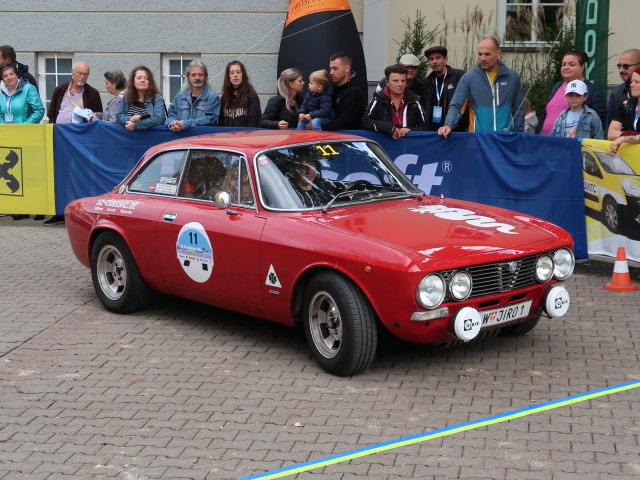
621	281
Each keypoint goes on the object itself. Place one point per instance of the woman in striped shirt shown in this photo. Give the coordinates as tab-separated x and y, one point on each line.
143	106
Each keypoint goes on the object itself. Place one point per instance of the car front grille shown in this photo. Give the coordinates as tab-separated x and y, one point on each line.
496	278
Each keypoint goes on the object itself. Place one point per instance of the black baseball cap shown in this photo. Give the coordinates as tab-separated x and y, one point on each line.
438	49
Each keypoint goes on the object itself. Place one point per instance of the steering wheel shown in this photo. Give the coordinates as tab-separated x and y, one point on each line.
201	189
360	185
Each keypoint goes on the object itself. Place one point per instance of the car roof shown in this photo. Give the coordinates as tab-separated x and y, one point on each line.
251	140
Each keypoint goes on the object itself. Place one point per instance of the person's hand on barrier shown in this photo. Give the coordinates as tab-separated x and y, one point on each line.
444	131
616	144
176	126
130	125
399	132
283	124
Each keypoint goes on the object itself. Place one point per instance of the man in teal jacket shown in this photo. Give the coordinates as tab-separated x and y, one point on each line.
494	92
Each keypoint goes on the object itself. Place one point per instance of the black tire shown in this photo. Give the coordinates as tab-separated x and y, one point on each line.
611	215
339	324
116	278
521	328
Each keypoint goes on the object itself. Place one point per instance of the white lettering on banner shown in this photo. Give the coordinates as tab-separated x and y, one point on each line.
467	216
427	177
590	38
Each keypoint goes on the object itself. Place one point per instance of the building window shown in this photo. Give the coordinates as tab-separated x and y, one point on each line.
54	69
532	22
173	67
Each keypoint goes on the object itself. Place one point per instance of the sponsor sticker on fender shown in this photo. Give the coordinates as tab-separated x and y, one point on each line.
464	215
125	206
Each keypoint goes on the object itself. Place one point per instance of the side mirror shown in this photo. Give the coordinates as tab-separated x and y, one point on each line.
222	199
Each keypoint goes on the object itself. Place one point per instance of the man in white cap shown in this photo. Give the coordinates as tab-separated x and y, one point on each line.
411	63
579	120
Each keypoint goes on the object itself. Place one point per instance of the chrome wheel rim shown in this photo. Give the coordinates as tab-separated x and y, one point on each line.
611	214
325	324
111	272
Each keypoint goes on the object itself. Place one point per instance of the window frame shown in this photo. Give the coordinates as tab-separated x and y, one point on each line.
43	74
501	19
184	59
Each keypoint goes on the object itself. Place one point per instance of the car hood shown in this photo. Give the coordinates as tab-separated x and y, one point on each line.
438	228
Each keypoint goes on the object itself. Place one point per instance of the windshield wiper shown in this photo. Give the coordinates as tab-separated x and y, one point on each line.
343	194
377	194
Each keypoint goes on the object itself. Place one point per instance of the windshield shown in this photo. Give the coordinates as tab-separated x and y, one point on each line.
312	176
615	164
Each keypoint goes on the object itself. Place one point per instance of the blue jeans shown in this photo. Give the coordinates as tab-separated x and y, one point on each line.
316	123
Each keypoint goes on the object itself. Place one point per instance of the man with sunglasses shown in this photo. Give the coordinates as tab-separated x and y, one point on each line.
627	63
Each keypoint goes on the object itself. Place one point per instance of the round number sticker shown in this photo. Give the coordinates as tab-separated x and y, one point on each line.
194	252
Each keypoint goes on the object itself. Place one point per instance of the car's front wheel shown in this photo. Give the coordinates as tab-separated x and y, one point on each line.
339	323
611	215
115	275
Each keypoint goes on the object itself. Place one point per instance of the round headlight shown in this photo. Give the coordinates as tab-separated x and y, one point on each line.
460	285
563	263
544	268
430	291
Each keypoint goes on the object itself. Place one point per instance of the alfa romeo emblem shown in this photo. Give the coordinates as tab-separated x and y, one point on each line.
513	266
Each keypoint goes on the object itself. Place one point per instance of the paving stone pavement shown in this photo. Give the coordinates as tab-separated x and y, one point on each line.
187	391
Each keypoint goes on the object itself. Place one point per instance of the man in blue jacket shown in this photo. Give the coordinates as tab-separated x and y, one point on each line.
196	103
494	92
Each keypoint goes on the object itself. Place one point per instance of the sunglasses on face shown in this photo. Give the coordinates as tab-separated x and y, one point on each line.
626	66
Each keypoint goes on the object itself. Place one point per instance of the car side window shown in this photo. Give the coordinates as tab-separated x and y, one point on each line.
160	175
237	182
204	174
589	165
211	171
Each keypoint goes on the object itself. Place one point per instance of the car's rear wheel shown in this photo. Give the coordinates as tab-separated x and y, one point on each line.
521	328
115	275
611	215
339	324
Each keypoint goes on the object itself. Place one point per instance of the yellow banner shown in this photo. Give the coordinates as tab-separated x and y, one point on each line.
300	8
26	169
612	198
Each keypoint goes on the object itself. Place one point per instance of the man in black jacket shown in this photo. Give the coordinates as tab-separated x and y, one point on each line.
348	102
412	64
439	88
627	63
395	110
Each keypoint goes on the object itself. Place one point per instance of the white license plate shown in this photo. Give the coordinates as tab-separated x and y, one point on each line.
505	314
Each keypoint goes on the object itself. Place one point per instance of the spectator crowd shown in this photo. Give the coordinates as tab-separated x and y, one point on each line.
487	98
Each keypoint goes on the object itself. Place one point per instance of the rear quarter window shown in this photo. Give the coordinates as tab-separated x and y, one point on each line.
161	175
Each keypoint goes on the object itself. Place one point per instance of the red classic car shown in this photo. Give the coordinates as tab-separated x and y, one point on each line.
321	229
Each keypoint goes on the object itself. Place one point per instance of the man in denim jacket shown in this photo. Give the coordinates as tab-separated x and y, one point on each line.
196	103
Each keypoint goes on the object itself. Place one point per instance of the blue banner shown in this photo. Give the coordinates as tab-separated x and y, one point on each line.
536	175
539	176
